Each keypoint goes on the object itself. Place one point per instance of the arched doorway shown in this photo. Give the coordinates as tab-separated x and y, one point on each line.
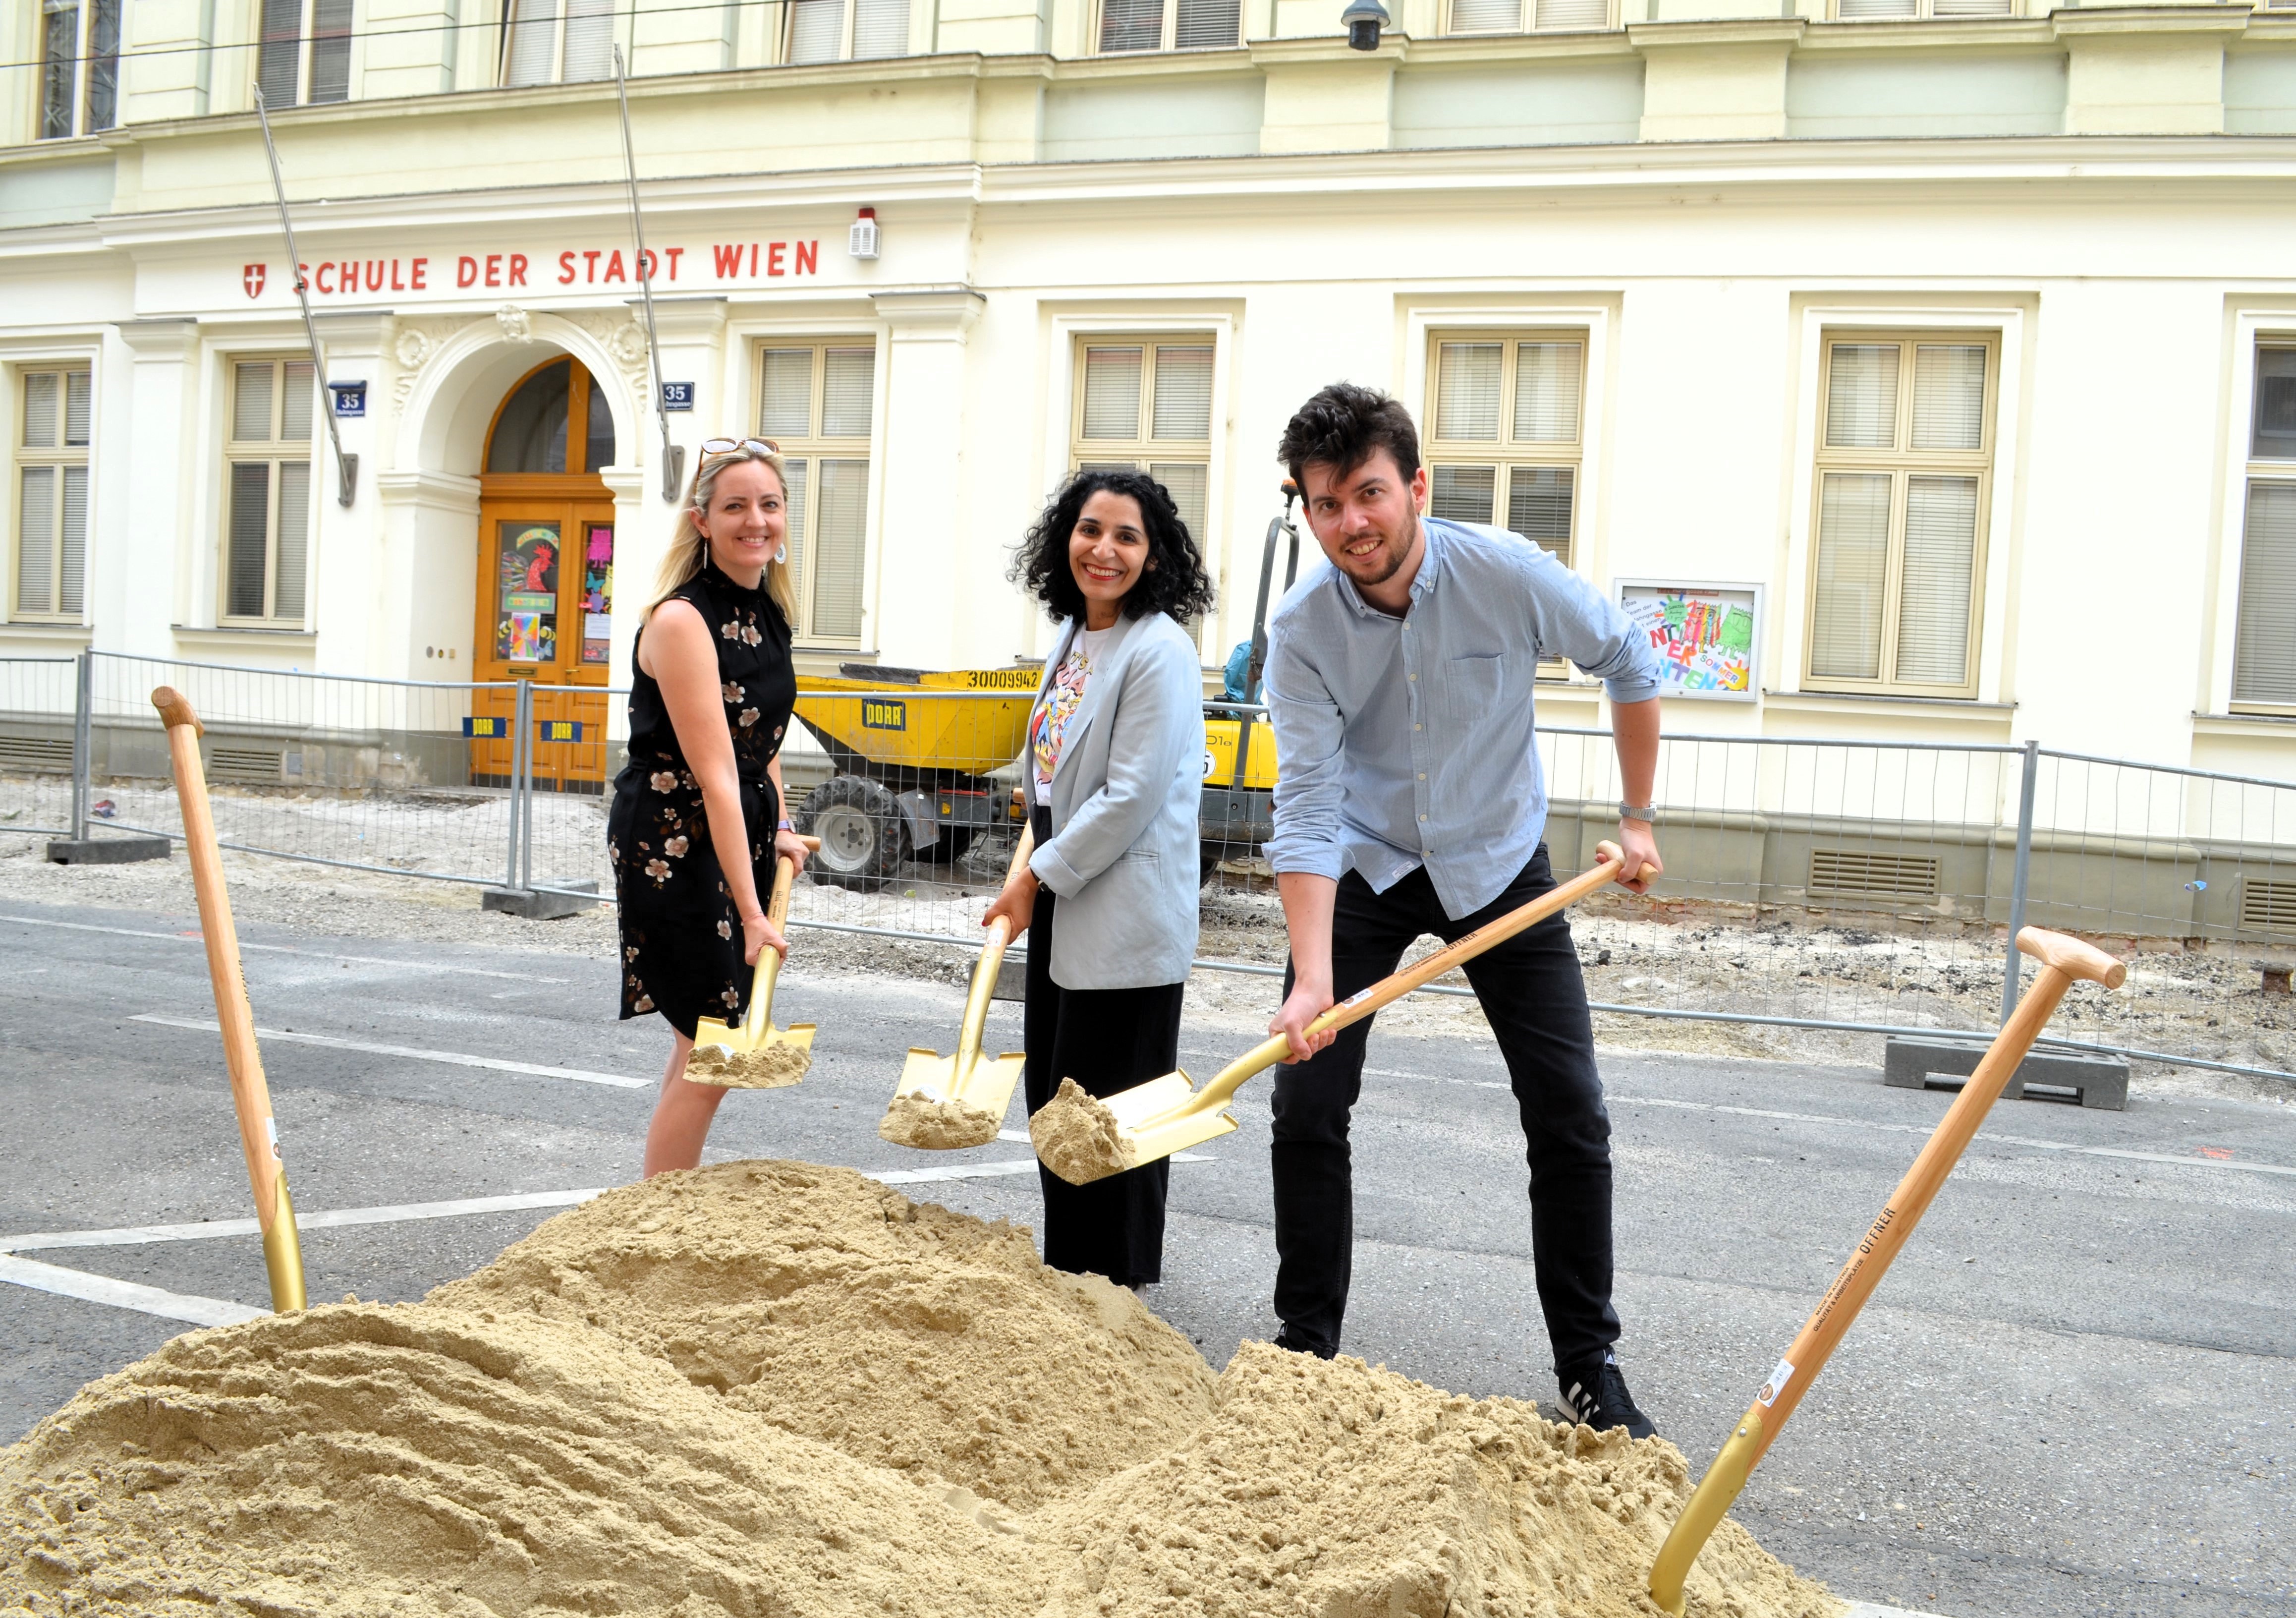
545	578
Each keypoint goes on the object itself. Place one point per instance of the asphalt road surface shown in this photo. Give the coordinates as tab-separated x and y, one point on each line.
2073	1393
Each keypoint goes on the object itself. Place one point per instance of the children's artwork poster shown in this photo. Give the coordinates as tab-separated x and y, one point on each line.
526	627
1703	634
597	593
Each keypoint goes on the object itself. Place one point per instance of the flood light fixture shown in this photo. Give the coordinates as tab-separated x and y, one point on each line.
1364	19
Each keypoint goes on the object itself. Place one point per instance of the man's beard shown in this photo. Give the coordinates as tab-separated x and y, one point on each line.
1397	556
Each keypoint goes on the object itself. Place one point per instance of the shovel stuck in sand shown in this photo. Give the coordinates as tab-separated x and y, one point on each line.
944	1102
756	1055
2063	960
1082	1138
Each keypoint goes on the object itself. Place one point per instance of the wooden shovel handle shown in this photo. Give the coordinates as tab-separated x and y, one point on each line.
2071	957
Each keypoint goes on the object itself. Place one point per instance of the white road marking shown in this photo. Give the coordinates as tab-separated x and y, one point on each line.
125	1295
414	1053
325	955
138	1235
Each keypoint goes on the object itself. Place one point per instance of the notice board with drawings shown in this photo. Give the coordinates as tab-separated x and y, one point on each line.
1705	634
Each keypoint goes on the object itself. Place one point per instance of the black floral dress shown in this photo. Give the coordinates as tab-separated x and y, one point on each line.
681	934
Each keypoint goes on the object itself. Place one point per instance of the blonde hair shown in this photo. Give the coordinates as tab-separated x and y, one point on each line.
689	548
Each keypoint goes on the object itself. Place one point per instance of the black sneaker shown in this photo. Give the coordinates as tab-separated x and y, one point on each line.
1596	1393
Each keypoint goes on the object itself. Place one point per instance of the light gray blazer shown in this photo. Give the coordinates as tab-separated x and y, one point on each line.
1126	797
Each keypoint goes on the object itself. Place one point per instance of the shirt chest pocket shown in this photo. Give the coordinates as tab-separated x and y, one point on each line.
1473	685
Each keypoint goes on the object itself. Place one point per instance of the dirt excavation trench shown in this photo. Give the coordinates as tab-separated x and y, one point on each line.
769	1388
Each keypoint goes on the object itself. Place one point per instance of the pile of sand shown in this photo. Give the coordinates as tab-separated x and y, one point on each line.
769	1067
769	1388
930	1124
1077	1137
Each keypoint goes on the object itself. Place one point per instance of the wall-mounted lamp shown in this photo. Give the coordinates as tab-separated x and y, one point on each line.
1364	19
861	244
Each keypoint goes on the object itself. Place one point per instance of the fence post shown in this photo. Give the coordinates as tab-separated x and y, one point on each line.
83	744
528	728
519	709
2021	875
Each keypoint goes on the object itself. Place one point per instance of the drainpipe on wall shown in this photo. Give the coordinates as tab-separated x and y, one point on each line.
673	455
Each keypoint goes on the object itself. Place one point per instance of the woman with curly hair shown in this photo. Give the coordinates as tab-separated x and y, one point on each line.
1114	770
696	825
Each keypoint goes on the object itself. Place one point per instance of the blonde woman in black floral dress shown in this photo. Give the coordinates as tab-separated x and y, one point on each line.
697	823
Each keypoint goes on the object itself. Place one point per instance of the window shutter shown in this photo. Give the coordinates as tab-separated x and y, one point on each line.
1861	397
71	591
2264	658
1539	507
1204	24
1852	10
1463	494
250	410
1574	14
795	481
1185	481
880	27
244	552
838	547
294	538
817	31
532	28
1131	25
1112	393
1933	600
295	408
331	50
279	58
1853	552
785	407
849	384
1972	8
1546	393
76	408
1467	391
36	541
1949	396
40	388
589	40
1486	16
1183	393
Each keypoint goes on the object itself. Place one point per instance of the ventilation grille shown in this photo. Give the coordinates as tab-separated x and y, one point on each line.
253	764
35	753
2268	906
1879	876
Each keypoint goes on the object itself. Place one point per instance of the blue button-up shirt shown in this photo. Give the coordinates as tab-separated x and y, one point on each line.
1404	741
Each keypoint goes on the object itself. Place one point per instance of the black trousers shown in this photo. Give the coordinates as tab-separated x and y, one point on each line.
1106	1039
1532	992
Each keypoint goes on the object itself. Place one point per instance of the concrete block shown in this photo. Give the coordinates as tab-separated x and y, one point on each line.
1012	978
540	907
105	850
1912	1064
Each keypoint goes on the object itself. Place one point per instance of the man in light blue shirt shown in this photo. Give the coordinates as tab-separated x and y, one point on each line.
1408	800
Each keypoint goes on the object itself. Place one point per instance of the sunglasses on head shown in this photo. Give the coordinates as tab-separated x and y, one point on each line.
735	446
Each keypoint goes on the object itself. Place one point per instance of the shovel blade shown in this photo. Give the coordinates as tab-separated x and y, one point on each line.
928	1072
709	1031
989	1085
1144	1104
1178	1134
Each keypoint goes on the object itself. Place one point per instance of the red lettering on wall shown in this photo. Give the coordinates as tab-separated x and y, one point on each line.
320	280
774	252
590	264
565	269
375	274
347	276
494	269
466	271
808	258
729	258
614	267
416	271
396	284
673	252
518	270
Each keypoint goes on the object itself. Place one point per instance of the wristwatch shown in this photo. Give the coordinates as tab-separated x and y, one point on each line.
1645	813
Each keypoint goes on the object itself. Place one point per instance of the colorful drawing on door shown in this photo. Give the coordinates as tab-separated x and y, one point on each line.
1703	634
526	627
597	593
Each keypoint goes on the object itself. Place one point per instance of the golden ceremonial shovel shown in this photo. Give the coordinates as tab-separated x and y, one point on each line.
756	1055
2062	959
946	1102
1083	1139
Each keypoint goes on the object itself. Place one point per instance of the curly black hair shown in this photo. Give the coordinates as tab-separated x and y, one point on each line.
1339	428
1173	583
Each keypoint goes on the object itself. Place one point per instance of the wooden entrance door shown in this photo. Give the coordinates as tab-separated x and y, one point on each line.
545	576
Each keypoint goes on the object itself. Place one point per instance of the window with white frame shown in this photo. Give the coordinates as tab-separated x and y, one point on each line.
557	41
1504	433
1864	10
1516	16
2264	646
1169	25
1146	403
267	492
79	66
1904	480
305	52
840	30
814	400
51	447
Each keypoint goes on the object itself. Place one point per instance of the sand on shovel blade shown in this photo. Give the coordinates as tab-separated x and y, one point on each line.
773	1388
931	1125
768	1067
1077	1137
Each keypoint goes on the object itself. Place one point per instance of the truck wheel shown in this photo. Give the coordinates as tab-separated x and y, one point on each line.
1208	856
863	841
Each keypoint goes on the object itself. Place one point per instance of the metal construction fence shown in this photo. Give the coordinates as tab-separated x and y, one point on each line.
1849	885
